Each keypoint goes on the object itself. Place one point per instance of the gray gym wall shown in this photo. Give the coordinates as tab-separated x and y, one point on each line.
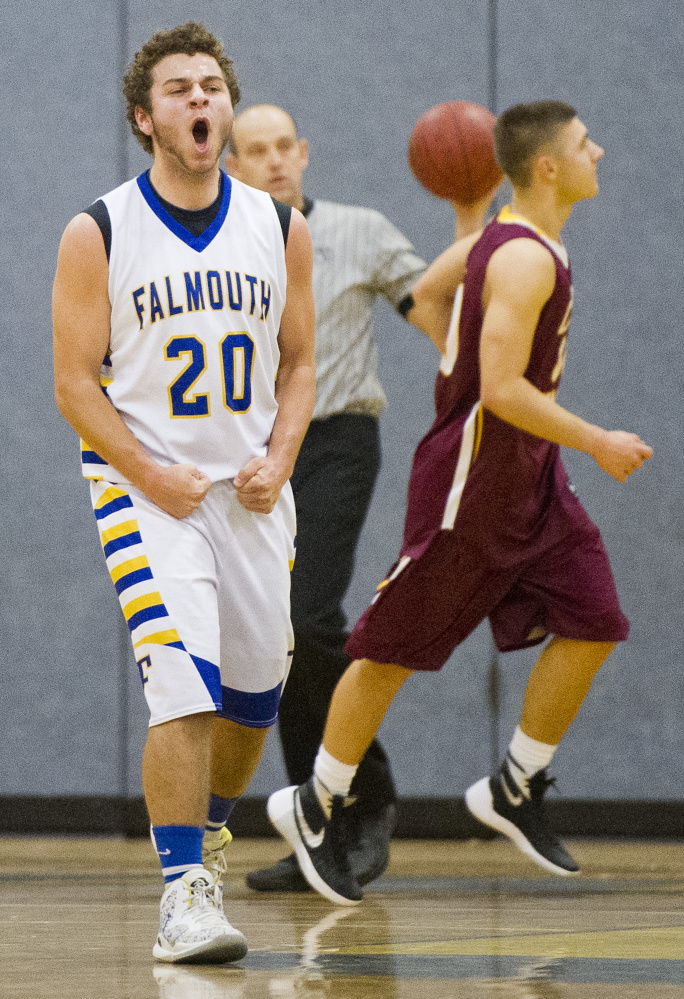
356	76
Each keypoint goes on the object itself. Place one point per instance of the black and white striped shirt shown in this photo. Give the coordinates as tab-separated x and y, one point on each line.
358	255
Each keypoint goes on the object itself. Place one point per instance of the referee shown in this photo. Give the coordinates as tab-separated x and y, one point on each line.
358	255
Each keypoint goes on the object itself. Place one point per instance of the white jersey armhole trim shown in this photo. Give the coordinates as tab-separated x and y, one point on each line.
451	350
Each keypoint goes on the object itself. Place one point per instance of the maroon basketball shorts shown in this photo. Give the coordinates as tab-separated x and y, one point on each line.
426	606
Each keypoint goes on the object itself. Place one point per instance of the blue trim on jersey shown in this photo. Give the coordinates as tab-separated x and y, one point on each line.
253	710
139	576
198	243
120	503
212	678
91	458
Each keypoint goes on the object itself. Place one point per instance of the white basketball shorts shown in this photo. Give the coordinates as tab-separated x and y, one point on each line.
206	600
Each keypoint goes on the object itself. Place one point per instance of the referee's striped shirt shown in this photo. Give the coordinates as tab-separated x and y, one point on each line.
358	255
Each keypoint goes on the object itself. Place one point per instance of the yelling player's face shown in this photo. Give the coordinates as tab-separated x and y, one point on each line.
192	113
577	157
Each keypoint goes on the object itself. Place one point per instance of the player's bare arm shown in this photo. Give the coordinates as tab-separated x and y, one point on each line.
520	280
258	484
433	293
81	320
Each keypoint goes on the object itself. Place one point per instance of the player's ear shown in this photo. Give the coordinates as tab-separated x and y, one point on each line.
143	120
304	152
546	169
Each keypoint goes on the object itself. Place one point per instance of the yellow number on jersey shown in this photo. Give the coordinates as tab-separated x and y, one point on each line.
563	345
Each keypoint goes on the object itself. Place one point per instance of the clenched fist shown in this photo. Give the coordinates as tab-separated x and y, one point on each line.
258	484
619	453
178	489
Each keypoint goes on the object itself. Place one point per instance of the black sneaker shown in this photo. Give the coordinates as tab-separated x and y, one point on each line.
318	842
281	876
368	837
500	803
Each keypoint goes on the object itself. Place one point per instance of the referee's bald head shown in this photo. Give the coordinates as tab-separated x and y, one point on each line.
268	115
266	153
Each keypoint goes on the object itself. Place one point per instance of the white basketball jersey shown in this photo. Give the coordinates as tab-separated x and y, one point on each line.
193	352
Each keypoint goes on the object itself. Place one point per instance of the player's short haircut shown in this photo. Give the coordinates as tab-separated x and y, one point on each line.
186	39
520	133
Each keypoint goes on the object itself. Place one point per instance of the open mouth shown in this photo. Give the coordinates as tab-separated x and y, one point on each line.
200	132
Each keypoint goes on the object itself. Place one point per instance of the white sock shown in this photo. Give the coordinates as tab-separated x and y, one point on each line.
528	756
331	778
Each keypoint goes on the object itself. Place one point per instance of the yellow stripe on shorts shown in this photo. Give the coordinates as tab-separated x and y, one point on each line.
140	603
159	638
108	495
125	568
129	527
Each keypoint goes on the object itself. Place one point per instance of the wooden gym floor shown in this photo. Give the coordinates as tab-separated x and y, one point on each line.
449	919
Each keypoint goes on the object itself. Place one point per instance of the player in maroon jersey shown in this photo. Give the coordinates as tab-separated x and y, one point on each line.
493	527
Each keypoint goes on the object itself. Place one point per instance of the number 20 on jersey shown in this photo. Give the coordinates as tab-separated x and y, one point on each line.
236	357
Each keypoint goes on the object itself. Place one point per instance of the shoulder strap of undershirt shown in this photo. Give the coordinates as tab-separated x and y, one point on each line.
284	215
100	213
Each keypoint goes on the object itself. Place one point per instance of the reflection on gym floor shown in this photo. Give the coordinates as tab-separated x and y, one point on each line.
448	920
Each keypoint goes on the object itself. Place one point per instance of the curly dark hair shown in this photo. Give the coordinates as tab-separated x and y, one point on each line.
187	39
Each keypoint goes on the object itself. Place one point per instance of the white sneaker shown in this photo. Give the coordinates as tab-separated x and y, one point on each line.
213	855
192	926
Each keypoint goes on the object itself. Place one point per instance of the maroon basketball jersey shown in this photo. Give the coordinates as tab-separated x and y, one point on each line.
472	471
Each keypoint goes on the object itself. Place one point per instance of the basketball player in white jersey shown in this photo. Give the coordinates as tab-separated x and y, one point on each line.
184	359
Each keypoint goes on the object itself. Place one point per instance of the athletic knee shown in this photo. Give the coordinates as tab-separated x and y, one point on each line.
192	723
187	737
383	674
587	655
240	729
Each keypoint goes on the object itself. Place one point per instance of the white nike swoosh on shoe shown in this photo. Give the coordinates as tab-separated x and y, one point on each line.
515	799
163	853
312	840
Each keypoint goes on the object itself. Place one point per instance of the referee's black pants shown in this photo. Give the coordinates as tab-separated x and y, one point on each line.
332	482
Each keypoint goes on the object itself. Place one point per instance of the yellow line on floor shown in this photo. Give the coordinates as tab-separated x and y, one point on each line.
664	943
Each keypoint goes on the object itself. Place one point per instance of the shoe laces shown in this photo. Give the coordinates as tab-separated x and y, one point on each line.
539	785
204	900
217	859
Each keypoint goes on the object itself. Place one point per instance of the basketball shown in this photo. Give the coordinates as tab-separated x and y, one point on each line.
451	151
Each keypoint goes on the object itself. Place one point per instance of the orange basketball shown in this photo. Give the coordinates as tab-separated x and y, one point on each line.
451	151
